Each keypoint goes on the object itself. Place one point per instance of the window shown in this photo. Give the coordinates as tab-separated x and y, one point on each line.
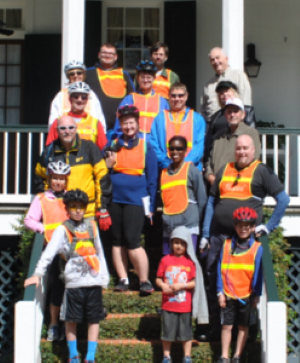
12	18
10	82
133	30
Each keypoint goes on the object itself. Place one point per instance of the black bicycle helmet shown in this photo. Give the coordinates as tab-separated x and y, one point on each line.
146	66
244	214
128	110
76	196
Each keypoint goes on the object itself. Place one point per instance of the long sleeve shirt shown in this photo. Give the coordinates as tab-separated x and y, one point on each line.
158	140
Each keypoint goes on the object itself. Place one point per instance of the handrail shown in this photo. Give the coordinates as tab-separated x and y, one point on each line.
29	293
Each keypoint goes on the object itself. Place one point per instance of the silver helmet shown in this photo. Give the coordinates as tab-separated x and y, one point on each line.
58	168
79	87
74	65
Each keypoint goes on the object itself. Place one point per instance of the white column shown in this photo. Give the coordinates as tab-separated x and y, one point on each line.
72	33
233	32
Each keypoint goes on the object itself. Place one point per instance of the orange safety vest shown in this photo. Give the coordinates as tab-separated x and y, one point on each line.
131	161
161	84
66	105
174	190
184	128
237	270
84	245
237	184
112	82
54	214
148	106
87	128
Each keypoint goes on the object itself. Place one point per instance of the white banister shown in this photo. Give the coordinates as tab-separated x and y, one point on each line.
275	150
287	164
5	162
42	137
298	167
17	163
29	140
264	148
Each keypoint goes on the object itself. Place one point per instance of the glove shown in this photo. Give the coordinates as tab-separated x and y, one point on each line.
104	219
203	243
261	230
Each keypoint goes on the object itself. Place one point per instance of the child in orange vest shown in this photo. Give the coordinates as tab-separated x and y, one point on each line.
46	212
239	281
85	273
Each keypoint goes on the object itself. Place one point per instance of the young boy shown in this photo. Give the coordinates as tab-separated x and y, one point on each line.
85	273
239	281
178	275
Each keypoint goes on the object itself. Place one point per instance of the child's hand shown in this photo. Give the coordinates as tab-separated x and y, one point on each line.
177	287
166	289
255	301
222	301
33	280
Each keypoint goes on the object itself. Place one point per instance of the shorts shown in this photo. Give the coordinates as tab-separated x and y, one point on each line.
176	326
83	304
236	312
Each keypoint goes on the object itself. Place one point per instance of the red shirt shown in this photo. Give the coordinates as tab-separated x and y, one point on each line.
173	269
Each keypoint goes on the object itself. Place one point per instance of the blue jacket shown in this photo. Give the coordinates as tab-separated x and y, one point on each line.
128	100
158	140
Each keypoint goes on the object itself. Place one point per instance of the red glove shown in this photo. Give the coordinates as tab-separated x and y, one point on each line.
104	219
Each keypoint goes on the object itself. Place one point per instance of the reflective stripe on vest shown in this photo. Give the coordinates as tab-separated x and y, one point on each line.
112	82
149	108
237	270
236	184
185	128
54	214
66	105
131	161
174	190
161	84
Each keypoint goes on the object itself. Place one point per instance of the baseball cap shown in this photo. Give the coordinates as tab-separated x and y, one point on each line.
236	102
226	85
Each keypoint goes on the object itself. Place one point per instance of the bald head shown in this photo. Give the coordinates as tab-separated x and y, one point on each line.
65	121
218	60
244	151
66	130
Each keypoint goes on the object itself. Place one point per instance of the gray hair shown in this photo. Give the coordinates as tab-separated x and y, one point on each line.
221	49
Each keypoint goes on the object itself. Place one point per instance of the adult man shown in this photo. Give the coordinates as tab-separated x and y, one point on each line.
75	71
223	147
164	77
146	100
180	120
246	183
219	62
88	127
110	83
88	169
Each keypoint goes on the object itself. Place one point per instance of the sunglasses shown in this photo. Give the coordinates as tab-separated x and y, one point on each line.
180	95
74	209
177	148
83	97
63	128
76	73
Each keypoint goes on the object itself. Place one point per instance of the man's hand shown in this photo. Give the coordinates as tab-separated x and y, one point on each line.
177	287
261	230
110	158
166	289
211	179
33	280
104	219
203	244
150	216
222	300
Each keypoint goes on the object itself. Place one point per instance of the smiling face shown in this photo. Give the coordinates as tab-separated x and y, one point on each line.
76	75
218	60
177	151
159	57
234	115
57	182
244	151
178	98
244	229
145	81
225	94
179	246
66	129
129	126
107	56
76	210
78	102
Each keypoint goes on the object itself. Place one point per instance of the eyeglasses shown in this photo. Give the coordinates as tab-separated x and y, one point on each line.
76	73
74	209
108	54
180	95
83	97
64	128
177	148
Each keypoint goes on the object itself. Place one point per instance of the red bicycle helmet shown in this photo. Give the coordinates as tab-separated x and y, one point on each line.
244	214
128	110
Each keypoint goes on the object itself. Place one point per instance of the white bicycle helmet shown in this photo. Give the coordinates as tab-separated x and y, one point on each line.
79	87
74	65
58	168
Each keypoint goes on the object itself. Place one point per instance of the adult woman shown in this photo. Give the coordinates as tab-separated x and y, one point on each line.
46	212
134	177
75	71
183	193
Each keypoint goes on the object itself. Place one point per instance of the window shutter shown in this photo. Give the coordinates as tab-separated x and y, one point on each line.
92	37
180	36
42	60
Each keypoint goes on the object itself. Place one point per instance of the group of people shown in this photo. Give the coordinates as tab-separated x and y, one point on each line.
115	147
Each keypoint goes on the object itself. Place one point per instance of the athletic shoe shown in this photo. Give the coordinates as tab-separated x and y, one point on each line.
236	360
224	360
121	286
167	360
62	333
146	287
75	360
187	360
52	333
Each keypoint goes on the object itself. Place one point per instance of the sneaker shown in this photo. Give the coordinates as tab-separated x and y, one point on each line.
167	360
52	333
187	360
236	360
121	286
224	360
62	333
146	287
75	360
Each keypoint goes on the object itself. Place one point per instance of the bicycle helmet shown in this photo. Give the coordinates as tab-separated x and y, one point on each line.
146	66
128	110
244	214
74	65
58	168
76	196
79	87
